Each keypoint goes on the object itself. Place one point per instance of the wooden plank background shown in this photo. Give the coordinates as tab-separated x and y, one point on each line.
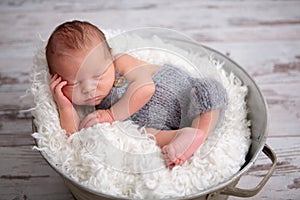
261	36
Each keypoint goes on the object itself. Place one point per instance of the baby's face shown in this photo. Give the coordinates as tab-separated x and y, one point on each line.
89	74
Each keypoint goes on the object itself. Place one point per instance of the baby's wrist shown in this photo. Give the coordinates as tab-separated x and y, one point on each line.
65	108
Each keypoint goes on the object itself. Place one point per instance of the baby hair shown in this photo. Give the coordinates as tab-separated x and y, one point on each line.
74	35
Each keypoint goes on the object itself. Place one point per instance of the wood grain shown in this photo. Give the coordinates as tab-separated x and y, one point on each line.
261	36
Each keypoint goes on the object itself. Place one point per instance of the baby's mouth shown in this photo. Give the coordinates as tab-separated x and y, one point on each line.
93	99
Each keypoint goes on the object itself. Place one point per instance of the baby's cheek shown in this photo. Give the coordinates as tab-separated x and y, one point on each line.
68	93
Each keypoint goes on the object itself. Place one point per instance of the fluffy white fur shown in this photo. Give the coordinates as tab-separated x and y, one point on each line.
120	159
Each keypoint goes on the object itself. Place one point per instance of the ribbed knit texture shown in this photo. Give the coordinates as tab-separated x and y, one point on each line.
177	100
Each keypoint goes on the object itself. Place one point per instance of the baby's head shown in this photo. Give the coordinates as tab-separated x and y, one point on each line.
73	36
78	52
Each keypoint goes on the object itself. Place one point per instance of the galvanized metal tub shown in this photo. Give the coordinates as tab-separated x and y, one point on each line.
259	119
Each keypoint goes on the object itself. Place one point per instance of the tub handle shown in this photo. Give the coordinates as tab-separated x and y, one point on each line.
238	192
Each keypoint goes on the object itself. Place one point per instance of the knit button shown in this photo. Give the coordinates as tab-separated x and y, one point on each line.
120	81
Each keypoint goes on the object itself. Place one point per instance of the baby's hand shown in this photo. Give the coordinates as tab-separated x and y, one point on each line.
56	85
98	116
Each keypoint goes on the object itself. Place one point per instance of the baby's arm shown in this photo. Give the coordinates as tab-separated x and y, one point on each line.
141	86
68	116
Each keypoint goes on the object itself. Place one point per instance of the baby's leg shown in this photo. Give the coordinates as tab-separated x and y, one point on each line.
163	137
189	139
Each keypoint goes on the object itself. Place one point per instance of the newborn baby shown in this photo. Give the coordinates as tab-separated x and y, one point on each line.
180	111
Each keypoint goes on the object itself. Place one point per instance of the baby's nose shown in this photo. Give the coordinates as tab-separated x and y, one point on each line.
88	86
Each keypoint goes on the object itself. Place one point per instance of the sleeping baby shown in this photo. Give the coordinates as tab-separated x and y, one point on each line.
179	110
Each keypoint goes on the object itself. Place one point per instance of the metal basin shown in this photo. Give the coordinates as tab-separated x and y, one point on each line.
259	119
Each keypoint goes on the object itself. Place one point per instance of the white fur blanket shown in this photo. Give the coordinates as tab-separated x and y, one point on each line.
120	159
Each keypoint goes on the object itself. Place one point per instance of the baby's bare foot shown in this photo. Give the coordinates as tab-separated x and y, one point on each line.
183	146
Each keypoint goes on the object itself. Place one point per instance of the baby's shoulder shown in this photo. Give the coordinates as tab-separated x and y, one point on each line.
125	63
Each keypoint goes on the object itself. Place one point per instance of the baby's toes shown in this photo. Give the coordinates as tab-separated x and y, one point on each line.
169	163
164	150
178	161
169	151
167	160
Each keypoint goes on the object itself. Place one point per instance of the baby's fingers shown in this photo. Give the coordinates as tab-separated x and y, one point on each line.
84	121
59	96
59	86
53	78
88	121
92	122
54	82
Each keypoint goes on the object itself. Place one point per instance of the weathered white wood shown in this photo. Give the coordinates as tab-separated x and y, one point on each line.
24	174
284	184
261	36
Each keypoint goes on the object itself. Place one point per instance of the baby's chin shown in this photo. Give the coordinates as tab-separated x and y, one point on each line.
90	102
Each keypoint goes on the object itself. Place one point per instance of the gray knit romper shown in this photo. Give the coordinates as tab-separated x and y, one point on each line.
177	100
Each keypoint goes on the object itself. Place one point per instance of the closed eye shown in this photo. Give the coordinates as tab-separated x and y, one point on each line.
98	76
73	84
